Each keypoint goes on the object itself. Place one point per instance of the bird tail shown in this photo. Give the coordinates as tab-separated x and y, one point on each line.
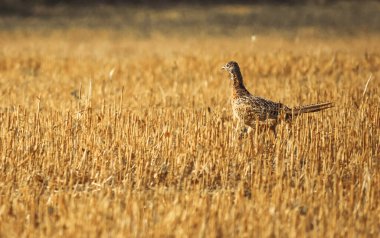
296	111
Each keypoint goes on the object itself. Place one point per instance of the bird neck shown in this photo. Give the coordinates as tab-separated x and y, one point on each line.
237	83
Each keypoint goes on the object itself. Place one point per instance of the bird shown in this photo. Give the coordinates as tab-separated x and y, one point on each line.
249	109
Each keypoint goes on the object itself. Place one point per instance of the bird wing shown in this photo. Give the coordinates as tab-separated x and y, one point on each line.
252	107
269	109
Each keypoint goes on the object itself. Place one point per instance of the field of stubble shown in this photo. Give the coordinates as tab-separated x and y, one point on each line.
108	134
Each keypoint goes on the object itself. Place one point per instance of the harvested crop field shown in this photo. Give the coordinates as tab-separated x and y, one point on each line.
122	127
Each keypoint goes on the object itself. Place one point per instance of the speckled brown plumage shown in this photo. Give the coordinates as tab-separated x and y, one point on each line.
248	108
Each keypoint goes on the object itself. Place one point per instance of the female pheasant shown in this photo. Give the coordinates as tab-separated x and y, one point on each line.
248	108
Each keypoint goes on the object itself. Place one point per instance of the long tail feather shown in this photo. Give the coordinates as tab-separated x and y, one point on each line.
308	109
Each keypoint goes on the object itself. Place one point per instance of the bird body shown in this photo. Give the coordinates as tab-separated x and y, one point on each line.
248	108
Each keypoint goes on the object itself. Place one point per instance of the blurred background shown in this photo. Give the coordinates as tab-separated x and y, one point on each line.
144	17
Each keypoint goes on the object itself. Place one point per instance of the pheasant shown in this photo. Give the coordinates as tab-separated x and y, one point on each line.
248	108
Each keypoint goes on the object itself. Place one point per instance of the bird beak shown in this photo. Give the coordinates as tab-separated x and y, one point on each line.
224	67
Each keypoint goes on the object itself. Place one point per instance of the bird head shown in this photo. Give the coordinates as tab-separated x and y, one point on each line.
231	67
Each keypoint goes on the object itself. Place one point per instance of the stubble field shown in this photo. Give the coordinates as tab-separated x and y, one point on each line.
106	132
